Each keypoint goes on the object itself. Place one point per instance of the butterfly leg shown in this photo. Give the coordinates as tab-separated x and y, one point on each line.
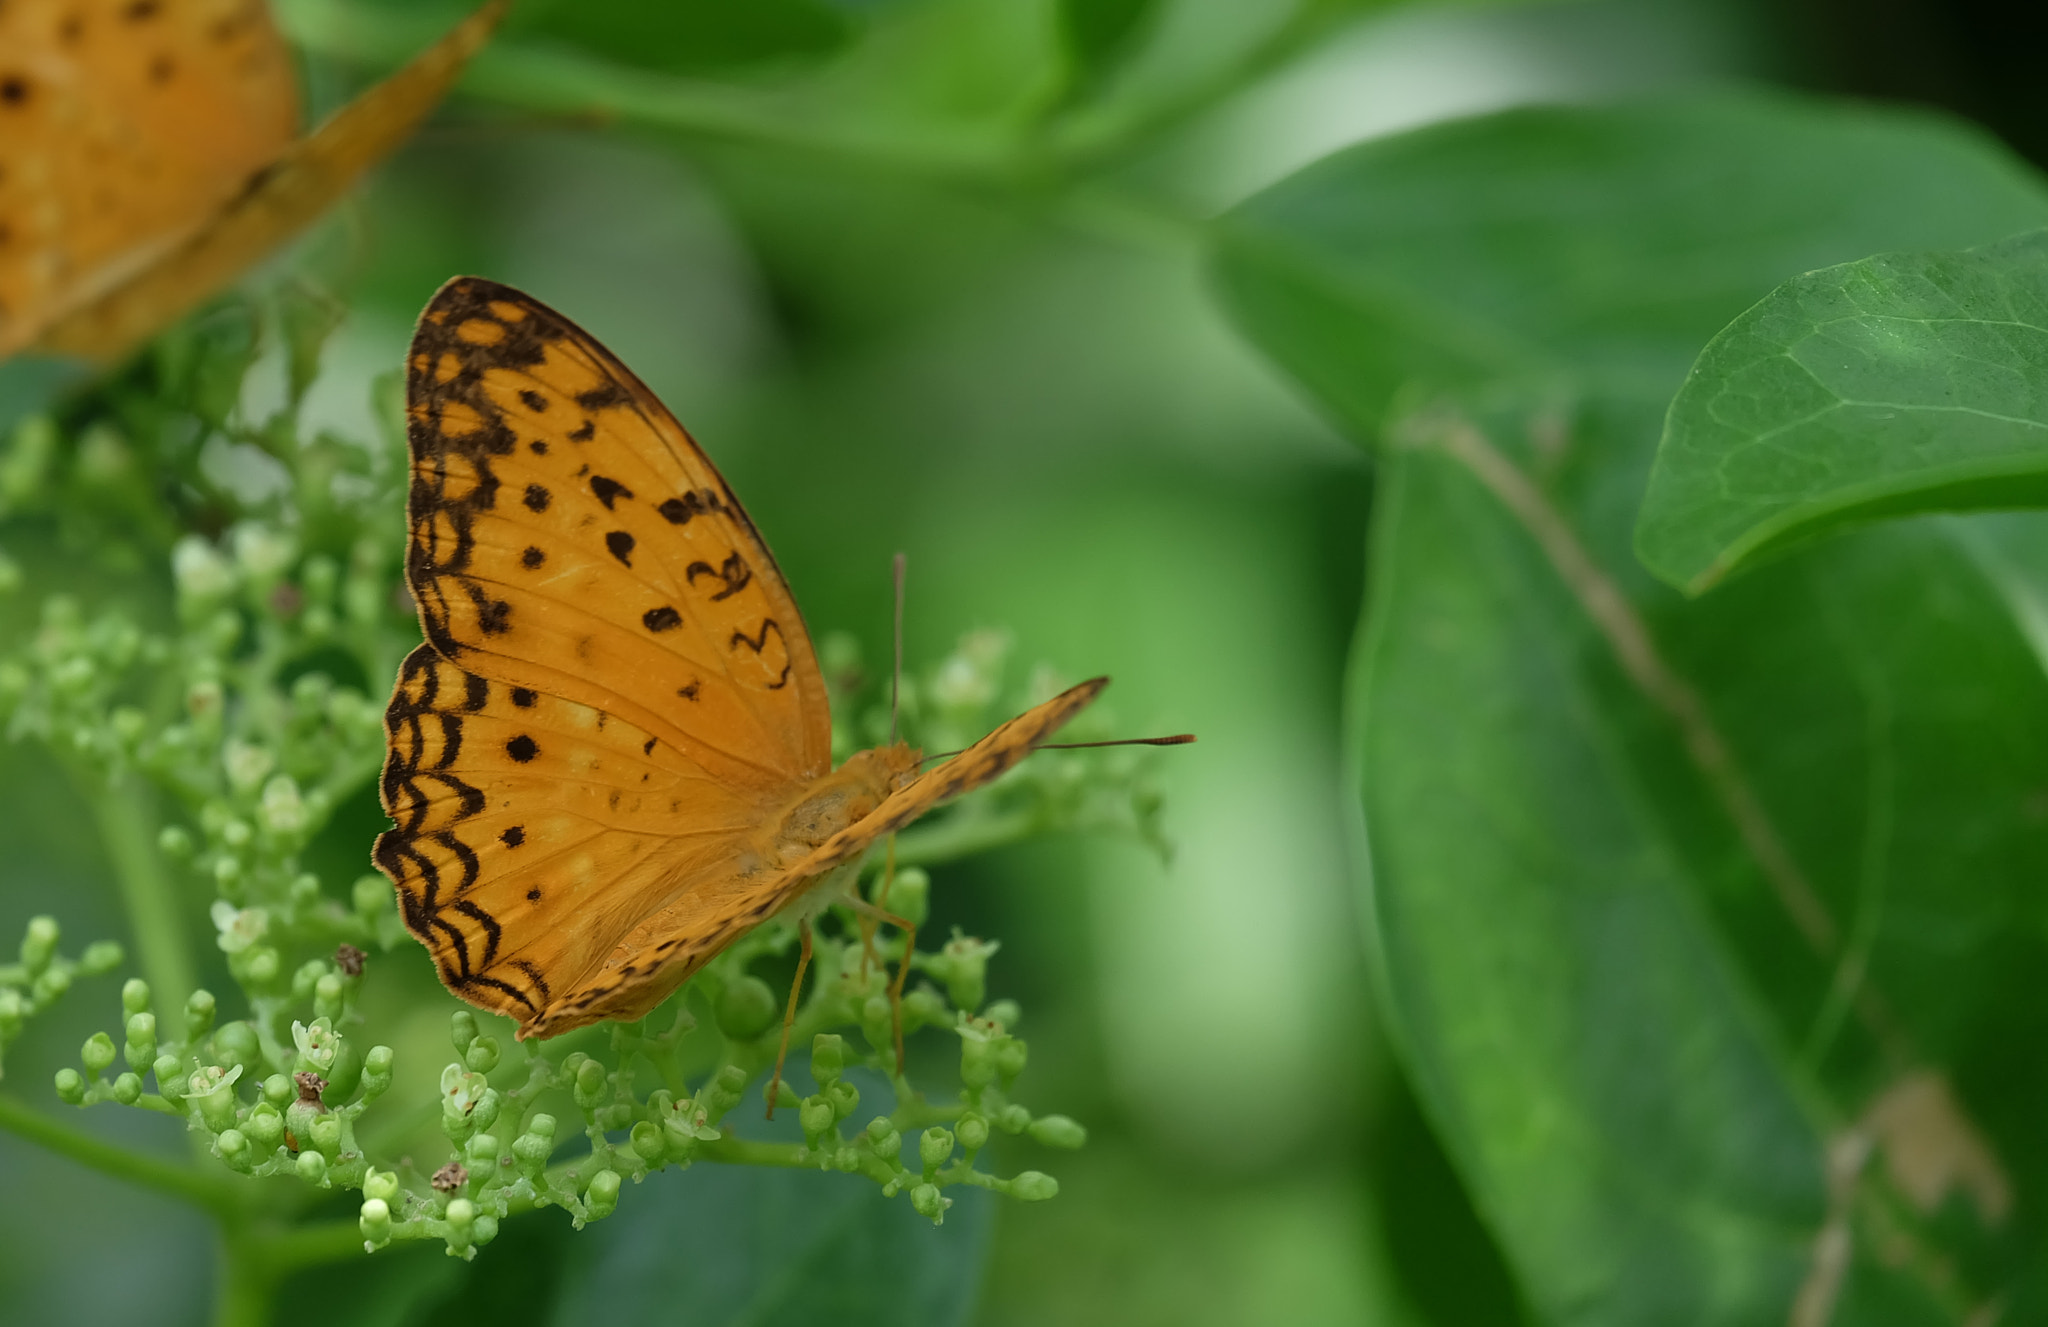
875	914
867	924
803	961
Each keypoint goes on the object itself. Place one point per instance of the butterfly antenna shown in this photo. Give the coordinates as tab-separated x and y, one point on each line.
896	673
803	960
1177	739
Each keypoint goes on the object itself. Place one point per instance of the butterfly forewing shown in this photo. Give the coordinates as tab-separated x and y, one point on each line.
569	537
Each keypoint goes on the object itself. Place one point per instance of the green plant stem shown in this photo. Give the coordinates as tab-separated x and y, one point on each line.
747	1152
180	1182
127	818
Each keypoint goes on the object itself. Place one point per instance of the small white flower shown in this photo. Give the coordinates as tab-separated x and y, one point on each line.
317	1044
263	552
283	810
239	927
200	572
460	1090
246	763
211	1078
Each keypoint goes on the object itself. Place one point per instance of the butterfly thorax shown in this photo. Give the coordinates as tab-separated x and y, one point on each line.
829	804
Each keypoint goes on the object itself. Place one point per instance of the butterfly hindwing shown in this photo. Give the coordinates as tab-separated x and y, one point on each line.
532	831
568	536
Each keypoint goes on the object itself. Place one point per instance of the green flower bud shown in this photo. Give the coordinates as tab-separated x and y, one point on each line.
377	1071
973	1132
199	1011
70	1087
304	889
380	1185
134	995
483	1055
100	956
846	1161
785	1095
461	1218
170	1077
845	1098
327	996
1010	1057
746	1008
977	1060
97	1053
910	895
307	976
236	1043
484	1230
375	1221
922	1008
265	1125
648	1142
481	1152
175	842
52	983
815	1115
13	1013
1013	1119
234	1149
828	1057
1004	1012
933	1147
883	1138
542	1126
279	1090
462	1030
260	965
531	1151
723	1092
139	1050
1058	1131
370	895
325	1135
39	943
485	1113
929	1202
1033	1186
591	1083
602	1195
128	1089
312	1166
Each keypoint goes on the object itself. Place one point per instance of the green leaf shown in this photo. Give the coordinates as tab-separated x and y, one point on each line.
1100	34
1900	383
691	36
1588	249
731	1244
1590	1057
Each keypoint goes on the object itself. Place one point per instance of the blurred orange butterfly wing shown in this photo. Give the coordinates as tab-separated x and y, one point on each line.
617	698
148	157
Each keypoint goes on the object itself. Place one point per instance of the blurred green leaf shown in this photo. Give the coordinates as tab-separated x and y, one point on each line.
1100	34
733	1245
1900	383
1573	248
692	36
1588	1052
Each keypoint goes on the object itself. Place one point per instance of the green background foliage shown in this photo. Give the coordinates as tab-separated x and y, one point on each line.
1642	926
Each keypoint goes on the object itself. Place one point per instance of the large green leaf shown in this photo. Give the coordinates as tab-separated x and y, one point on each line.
728	1246
1573	249
1589	1052
1900	383
1664	892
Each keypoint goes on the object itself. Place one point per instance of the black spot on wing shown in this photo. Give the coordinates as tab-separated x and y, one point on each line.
533	400
523	698
522	748
608	491
513	837
532	557
661	619
621	545
536	498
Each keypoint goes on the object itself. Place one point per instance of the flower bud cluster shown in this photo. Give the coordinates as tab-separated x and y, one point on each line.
43	976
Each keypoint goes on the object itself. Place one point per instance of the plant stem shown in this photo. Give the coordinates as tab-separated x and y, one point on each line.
747	1152
127	818
180	1182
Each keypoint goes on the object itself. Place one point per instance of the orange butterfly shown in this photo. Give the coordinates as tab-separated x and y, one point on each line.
612	756
147	158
